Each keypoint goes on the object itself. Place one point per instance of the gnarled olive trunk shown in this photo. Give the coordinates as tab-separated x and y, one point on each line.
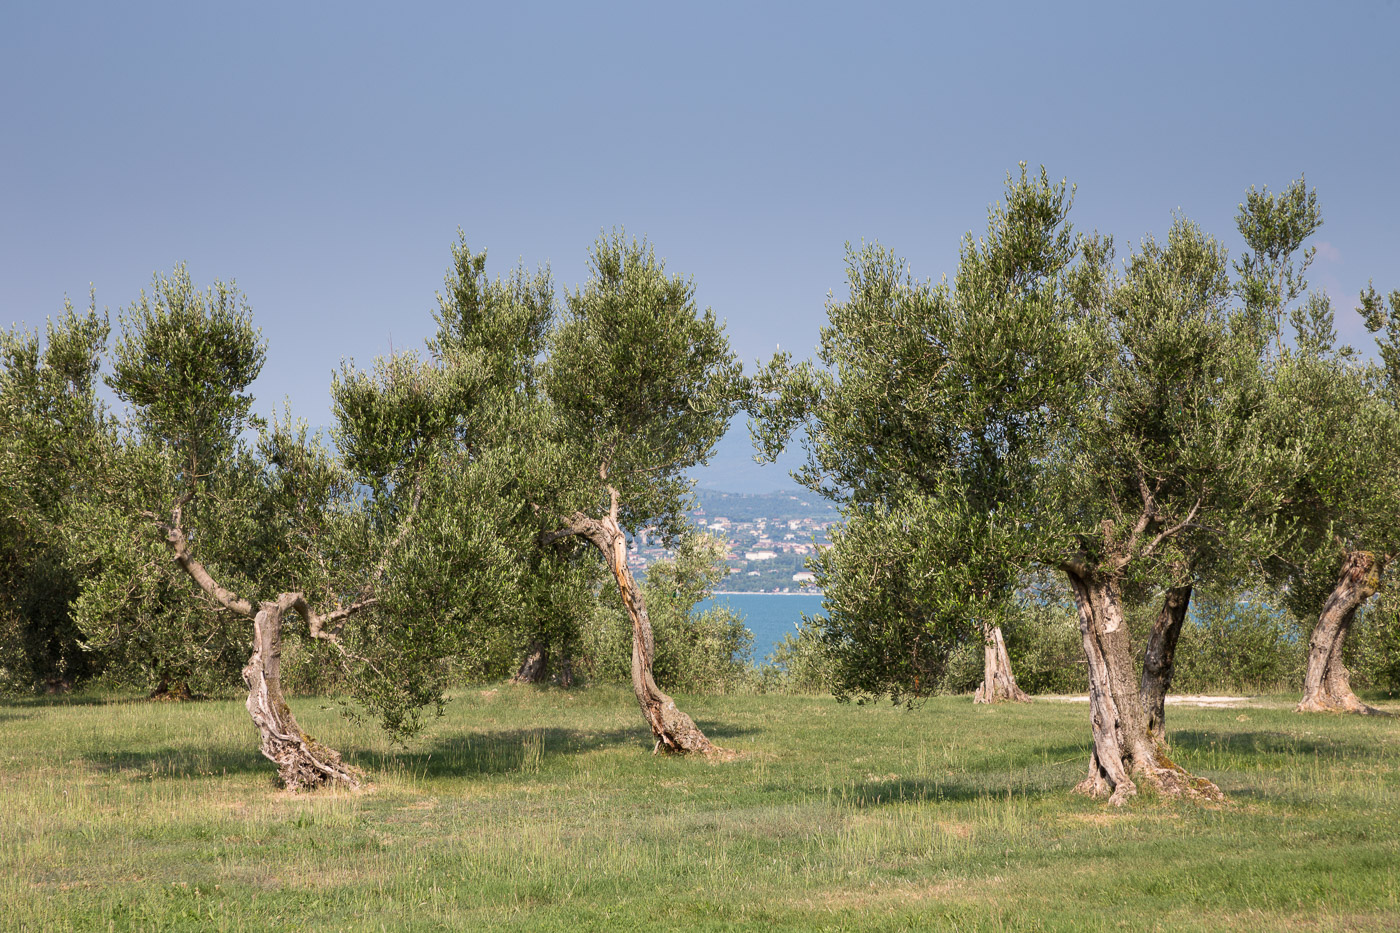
1123	747
540	665
673	730
302	762
998	681
1327	684
1158	661
535	668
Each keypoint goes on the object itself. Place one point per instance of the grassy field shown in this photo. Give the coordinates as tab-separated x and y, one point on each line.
525	809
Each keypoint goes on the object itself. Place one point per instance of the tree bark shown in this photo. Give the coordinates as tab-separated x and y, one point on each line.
302	762
1327	683
535	667
998	680
1123	748
674	731
1158	661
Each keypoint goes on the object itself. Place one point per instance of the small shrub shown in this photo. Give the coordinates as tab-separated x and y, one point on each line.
801	662
1238	644
1373	651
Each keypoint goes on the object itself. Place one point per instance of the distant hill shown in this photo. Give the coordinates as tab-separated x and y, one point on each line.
774	506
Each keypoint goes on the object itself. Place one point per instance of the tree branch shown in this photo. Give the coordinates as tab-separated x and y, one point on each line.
180	549
326	627
1169	532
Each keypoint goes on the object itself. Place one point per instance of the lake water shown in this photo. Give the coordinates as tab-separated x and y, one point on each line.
769	616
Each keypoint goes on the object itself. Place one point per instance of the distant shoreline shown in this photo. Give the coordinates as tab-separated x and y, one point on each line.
760	593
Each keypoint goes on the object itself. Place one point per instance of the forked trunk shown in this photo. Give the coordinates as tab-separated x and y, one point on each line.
1327	684
1158	661
673	730
1123	748
998	681
302	762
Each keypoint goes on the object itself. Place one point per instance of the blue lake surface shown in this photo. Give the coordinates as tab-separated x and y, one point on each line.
769	616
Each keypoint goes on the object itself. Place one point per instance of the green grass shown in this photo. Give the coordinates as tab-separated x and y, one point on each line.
526	809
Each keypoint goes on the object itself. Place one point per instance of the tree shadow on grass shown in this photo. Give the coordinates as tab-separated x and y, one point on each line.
715	731
503	751
458	755
181	762
991	779
1272	743
51	700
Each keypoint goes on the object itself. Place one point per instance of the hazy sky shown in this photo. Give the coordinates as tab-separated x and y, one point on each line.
325	155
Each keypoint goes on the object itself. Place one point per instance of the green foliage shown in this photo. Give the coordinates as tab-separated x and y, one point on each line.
183	363
802	661
1238	643
920	384
153	627
642	384
1373	653
1043	640
52	428
1385	323
904	587
1337	428
696	652
1157	468
1275	227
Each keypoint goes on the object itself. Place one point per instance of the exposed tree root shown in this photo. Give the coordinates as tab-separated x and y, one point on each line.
1329	703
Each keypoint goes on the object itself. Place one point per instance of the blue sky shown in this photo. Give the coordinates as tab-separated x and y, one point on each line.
325	155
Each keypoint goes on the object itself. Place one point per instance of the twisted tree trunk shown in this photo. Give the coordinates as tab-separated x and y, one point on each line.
1123	747
1327	684
998	681
1158	661
302	762
674	731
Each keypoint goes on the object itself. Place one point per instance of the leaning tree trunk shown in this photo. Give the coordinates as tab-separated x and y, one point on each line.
673	730
302	762
1327	684
998	681
1123	748
1158	661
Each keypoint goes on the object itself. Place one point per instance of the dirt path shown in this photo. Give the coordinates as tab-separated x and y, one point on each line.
1187	699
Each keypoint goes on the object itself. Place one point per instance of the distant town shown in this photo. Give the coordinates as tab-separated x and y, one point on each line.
769	538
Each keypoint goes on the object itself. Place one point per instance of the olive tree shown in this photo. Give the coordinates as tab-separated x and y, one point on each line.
640	385
180	365
1333	420
1341	413
891	426
377	555
52	429
1044	408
